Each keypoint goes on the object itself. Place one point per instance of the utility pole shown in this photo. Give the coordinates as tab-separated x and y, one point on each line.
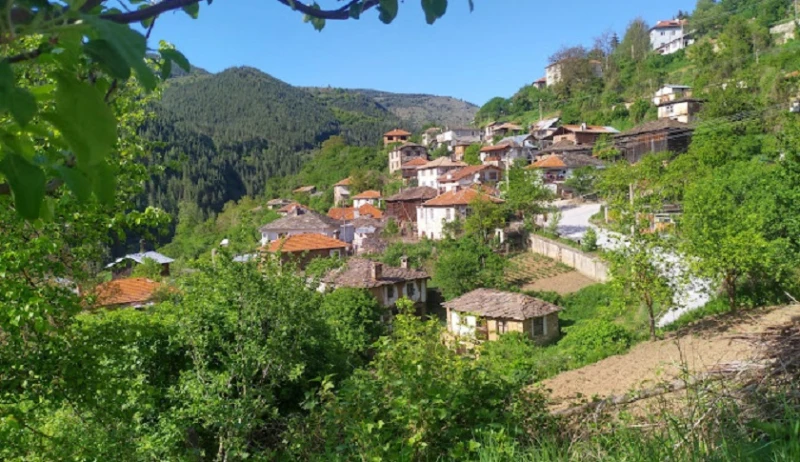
540	108
630	194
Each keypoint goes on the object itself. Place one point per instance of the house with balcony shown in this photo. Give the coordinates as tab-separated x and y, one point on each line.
654	137
404	153
408	171
303	221
453	136
301	249
428	174
508	150
433	214
582	134
675	102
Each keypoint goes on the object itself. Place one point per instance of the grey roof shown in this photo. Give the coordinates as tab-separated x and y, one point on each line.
493	303
357	273
306	220
566	146
139	258
545	123
680	100
518	140
422	193
656	126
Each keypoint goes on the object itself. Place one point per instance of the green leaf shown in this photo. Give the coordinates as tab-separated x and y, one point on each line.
388	11
104	182
318	23
85	122
434	9
107	57
18	101
27	183
76	181
129	44
355	10
166	69
192	10
177	57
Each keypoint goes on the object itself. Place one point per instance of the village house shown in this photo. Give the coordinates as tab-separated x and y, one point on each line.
303	221
433	214
122	267
654	137
553	71
468	176
341	192
544	128
670	36
460	150
402	207
404	153
429	136
369	196
386	283
302	248
540	84
486	314
556	169
675	102
276	204
290	208
453	136
508	150
395	136
582	134
124	293
305	190
351	213
428	174
408	171
505	130
367	235
565	147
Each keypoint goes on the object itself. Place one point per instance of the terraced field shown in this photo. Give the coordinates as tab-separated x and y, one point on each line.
532	271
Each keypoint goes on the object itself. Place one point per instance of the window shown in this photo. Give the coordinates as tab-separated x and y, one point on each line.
538	327
448	214
502	327
411	290
430	214
389	292
335	253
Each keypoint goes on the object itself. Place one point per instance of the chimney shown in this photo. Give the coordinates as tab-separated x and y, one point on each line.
404	262
142	246
377	271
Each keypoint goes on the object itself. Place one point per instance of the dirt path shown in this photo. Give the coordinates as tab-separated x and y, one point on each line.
698	348
565	283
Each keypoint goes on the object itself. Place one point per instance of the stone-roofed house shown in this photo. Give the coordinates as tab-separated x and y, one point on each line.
302	248
341	192
395	136
508	150
403	205
123	266
428	174
370	197
485	314
558	168
654	137
433	214
468	176
404	153
305	190
303	221
388	284
121	293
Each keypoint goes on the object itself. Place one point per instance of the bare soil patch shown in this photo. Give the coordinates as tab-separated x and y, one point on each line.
565	283
697	349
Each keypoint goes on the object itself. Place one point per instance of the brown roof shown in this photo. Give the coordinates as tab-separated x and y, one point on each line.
567	146
460	197
305	242
569	160
492	159
549	162
542	80
289	207
414	194
125	291
369	194
357	273
441	162
466	172
508	126
345	182
491	303
414	163
397	132
656	126
304	189
409	144
349	213
499	147
589	129
670	23
305	221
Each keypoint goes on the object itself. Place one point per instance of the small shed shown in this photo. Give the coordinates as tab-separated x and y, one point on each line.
485	314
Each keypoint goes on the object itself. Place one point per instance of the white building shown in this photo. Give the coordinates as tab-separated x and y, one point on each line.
429	135
341	192
508	150
303	221
428	174
404	153
675	102
432	215
370	197
466	177
452	136
667	37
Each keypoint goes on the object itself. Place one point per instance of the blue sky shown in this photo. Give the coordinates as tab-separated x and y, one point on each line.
492	51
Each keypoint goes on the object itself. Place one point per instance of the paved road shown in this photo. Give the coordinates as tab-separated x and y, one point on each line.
690	292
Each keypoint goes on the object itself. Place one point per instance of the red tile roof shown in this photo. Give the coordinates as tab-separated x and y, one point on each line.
461	197
499	147
549	162
345	182
305	242
348	213
670	23
397	132
289	207
466	172
304	189
414	163
125	291
369	194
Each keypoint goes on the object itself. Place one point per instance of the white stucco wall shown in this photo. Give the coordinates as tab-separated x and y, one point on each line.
664	35
430	220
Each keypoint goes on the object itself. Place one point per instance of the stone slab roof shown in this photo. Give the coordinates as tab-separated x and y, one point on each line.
357	273
414	194
304	220
491	303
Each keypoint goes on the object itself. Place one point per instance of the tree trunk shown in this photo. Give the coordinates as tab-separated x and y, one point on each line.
730	288
652	315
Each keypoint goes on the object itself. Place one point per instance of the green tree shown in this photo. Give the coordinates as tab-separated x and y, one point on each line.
583	180
635	43
483	218
589	240
524	192
466	264
355	319
733	226
149	269
472	155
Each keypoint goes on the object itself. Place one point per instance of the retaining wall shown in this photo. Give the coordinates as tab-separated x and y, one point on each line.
588	265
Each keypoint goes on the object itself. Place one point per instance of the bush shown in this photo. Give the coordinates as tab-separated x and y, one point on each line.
592	340
589	241
587	302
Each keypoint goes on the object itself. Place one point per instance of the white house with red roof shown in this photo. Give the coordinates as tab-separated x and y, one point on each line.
468	176
432	215
428	174
670	36
370	197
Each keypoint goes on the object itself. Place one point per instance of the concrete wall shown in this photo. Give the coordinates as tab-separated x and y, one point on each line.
590	266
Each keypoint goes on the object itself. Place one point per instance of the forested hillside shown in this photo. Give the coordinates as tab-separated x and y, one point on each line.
223	136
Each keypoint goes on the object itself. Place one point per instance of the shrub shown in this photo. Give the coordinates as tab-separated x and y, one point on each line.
587	302
391	228
589	241
592	340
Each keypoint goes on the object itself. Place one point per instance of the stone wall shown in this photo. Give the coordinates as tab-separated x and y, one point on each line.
588	265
